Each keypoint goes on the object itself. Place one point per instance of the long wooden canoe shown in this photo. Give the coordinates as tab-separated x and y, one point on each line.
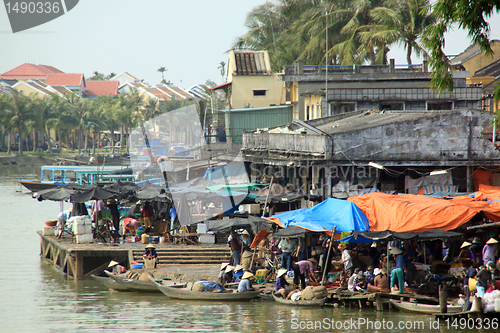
108	282
315	302
125	284
423	308
187	294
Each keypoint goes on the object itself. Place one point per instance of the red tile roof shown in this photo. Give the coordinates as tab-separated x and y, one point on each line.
99	88
30	71
64	79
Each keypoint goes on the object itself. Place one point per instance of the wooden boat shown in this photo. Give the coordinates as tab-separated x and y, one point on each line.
38	185
188	294
315	302
137	285
132	285
423	308
62	175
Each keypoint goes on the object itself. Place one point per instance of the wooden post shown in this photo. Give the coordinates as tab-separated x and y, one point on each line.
467	304
443	300
325	264
378	303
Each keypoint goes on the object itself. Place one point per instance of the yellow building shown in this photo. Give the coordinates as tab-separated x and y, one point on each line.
252	82
472	59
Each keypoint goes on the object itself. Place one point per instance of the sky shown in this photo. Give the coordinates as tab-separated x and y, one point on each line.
189	38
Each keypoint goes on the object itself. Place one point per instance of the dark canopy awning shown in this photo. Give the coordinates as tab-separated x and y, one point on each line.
256	223
387	235
291	231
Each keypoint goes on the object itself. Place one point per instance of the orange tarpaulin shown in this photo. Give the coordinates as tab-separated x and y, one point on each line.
412	212
419	213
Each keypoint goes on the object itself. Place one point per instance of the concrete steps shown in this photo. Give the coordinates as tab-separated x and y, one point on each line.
188	256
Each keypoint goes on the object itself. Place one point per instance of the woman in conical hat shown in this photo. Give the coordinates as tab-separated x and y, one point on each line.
245	284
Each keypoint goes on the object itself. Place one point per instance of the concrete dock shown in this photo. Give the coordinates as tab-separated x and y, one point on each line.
79	261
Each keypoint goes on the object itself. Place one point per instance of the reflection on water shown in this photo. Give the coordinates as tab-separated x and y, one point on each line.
35	297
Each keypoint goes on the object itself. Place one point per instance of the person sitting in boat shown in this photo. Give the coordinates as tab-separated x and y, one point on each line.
228	275
304	269
222	272
245	284
465	252
397	273
63	216
238	272
150	253
281	281
483	278
116	267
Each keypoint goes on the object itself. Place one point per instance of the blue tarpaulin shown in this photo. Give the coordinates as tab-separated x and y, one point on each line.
325	216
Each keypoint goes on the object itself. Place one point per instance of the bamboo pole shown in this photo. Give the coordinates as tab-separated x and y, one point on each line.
325	264
267	197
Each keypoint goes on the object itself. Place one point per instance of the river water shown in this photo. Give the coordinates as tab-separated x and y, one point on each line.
37	298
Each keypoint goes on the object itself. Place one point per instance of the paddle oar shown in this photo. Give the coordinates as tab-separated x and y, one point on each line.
327	257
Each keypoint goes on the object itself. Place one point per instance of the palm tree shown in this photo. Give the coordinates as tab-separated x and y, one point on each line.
402	22
162	70
77	109
42	112
4	120
222	68
16	113
269	28
59	118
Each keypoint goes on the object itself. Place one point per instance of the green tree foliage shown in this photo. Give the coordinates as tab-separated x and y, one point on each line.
15	113
466	14
74	118
401	22
359	31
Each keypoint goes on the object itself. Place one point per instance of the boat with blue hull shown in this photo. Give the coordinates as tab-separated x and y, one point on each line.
62	175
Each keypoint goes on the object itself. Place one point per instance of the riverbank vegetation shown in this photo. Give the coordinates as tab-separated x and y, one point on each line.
73	122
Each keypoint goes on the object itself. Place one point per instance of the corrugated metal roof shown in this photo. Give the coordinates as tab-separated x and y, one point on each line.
363	120
251	63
